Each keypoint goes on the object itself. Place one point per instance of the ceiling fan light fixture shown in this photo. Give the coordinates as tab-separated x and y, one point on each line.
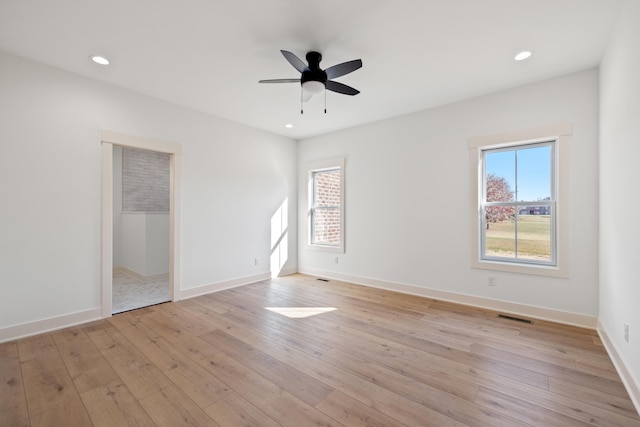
313	87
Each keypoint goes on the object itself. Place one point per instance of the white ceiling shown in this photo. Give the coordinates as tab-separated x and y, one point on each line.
209	54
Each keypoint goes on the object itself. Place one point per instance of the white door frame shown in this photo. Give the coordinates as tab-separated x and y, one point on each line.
109	139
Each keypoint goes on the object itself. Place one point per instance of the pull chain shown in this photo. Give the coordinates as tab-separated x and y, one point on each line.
325	101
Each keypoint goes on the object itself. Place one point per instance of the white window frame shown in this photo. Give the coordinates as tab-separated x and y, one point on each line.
561	135
517	204
322	166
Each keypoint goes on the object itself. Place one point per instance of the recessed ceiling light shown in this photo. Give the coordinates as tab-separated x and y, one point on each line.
288	125
100	60
521	56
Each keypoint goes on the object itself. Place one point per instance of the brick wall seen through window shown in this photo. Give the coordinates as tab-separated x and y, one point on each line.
326	227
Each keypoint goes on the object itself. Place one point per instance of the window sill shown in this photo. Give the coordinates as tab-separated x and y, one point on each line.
511	267
326	248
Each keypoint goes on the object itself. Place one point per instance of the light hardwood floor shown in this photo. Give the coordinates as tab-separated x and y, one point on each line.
361	357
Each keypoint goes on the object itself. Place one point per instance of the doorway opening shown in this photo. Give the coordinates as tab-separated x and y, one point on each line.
140	257
140	228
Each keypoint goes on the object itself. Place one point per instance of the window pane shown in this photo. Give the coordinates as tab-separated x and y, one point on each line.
326	226
534	233
500	233
326	212
326	188
534	173
500	176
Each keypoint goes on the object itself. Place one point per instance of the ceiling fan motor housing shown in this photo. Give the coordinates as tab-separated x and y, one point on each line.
313	73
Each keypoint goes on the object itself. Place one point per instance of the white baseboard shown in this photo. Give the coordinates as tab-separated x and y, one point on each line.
522	310
220	286
631	383
23	330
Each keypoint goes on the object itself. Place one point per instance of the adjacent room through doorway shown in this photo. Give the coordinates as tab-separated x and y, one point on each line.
141	228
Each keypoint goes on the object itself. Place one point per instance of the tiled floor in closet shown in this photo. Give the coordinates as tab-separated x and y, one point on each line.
130	293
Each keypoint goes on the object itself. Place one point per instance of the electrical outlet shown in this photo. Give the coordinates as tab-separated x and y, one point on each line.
336	260
626	332
491	280
256	261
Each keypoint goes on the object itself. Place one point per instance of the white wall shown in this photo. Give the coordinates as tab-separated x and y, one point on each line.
144	243
619	200
408	194
234	179
156	244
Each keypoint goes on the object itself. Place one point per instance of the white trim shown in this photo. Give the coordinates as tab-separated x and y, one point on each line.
108	139
23	330
133	141
629	381
221	286
107	229
564	129
175	219
561	133
523	310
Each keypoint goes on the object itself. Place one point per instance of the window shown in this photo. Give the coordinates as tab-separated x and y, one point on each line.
518	204
519	216
326	206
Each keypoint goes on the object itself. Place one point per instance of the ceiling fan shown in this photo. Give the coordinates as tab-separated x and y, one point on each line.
313	79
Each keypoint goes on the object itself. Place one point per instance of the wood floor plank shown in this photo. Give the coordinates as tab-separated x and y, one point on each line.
13	404
134	369
170	407
113	404
428	368
202	387
283	375
268	397
183	320
87	367
366	392
235	411
351	412
612	402
457	407
51	396
385	338
37	347
273	326
529	413
377	397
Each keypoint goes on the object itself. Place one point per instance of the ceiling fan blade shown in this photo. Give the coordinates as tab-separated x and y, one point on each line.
280	81
294	60
342	69
341	88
